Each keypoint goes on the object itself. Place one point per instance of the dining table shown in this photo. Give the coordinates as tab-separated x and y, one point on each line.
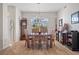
42	40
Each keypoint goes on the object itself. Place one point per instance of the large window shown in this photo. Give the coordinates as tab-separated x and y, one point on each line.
39	24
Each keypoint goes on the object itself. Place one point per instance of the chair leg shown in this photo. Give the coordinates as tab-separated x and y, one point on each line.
53	43
50	44
47	44
32	44
25	43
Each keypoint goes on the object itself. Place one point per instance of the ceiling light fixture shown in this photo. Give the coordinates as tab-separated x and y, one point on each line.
37	3
38	10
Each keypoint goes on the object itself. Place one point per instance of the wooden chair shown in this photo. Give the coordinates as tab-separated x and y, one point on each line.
28	39
35	41
43	41
53	38
49	41
46	40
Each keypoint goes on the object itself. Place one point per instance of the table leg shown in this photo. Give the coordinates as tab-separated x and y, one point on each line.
50	43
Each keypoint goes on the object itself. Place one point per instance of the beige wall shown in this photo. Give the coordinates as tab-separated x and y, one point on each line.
65	14
51	19
1	26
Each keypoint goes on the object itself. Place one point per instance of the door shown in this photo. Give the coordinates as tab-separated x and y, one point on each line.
11	21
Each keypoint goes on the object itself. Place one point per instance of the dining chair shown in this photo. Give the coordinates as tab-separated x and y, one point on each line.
35	41
53	37
26	40
49	41
43	41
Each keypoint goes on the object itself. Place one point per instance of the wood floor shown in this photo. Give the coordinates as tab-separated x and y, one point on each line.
19	49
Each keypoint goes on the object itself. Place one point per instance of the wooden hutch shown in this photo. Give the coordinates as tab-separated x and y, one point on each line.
23	26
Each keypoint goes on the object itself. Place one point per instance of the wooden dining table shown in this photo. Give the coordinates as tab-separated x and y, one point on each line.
39	41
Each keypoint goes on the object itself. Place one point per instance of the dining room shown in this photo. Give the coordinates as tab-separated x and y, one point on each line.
38	28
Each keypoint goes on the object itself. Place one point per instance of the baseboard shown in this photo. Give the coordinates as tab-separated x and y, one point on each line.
17	40
4	47
1	49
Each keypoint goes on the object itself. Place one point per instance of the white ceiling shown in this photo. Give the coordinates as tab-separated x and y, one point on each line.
39	7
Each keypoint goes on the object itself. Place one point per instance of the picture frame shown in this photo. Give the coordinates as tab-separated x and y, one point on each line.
75	18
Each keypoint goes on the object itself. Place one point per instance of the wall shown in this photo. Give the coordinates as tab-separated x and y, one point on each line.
65	14
6	37
1	26
10	32
15	17
51	19
12	19
17	27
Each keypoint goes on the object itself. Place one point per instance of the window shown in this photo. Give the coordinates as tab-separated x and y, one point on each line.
39	24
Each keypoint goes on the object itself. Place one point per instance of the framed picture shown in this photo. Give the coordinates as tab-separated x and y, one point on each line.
75	18
61	22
